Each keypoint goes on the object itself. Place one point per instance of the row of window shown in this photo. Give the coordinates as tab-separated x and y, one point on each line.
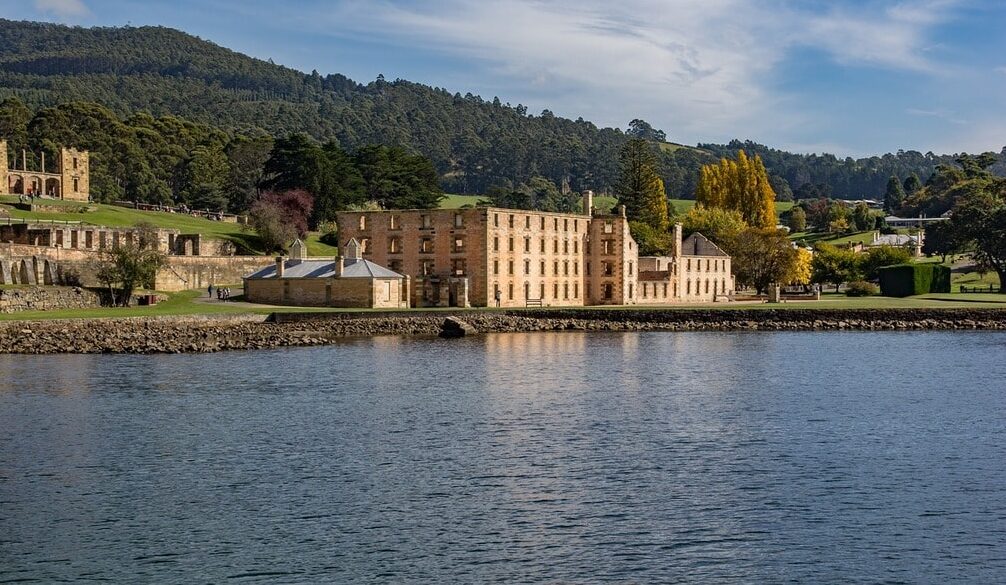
716	265
565	289
542	220
395	222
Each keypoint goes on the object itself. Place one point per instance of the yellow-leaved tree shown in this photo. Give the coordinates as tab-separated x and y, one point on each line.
740	185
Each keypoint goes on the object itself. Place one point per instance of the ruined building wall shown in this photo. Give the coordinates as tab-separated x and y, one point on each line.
75	174
3	168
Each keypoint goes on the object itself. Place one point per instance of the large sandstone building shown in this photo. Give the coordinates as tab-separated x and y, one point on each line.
69	180
482	255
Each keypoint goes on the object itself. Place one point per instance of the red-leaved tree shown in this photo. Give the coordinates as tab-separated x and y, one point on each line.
279	217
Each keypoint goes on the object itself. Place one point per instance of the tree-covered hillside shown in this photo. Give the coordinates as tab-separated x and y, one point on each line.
475	144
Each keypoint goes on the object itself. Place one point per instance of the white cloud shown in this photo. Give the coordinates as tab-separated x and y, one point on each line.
62	8
702	69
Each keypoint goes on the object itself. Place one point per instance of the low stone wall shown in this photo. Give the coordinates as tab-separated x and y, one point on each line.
47	298
191	334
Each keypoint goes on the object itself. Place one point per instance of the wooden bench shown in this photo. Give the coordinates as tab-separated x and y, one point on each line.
532	303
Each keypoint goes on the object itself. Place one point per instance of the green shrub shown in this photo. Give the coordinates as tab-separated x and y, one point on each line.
905	280
861	288
330	238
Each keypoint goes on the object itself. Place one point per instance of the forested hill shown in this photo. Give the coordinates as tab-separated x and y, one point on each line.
475	144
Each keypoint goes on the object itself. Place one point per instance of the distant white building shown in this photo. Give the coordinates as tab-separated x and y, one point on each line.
905	222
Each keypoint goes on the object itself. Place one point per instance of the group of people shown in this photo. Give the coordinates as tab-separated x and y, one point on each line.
223	293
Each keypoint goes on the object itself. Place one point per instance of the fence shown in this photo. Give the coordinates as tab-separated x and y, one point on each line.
981	289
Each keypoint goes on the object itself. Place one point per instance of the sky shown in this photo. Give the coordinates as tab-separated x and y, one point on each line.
852	78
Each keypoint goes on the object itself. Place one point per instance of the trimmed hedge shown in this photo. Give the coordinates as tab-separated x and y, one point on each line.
905	280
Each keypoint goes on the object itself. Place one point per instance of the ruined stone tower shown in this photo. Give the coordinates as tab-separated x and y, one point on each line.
76	179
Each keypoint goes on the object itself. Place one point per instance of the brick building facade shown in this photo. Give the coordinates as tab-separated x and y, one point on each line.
71	179
476	256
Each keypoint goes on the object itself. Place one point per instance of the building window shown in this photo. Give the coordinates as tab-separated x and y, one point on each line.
510	267
459	220
527	222
425	222
576	246
608	268
496	267
565	225
527	267
565	267
365	245
607	247
496	244
609	227
543	245
665	290
496	220
510	244
555	223
565	247
527	245
458	266
76	186
607	291
74	163
394	222
688	265
576	226
707	264
395	245
645	289
707	285
426	245
630	290
555	268
630	267
586	268
555	291
541	291
510	223
688	287
459	244
565	290
527	290
509	291
427	267
576	269
363	222
395	266
576	290
543	268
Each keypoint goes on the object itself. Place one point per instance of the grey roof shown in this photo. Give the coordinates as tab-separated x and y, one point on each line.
894	240
699	245
326	269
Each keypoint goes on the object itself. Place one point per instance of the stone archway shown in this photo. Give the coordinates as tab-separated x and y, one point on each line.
35	185
53	188
15	185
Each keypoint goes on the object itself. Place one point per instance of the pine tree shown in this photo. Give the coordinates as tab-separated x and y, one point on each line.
912	184
640	188
895	195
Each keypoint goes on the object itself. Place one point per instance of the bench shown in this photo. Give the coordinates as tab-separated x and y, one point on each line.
532	303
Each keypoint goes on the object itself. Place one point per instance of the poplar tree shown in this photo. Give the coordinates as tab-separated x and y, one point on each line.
740	185
640	189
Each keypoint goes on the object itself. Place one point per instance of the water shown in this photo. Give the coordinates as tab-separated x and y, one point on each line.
568	457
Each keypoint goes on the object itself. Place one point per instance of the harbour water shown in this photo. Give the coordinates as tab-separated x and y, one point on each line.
557	457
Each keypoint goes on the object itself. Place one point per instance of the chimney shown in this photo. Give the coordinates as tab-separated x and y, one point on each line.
280	264
340	266
677	239
588	202
621	210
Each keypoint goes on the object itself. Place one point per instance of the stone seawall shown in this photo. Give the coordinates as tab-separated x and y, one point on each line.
205	334
49	298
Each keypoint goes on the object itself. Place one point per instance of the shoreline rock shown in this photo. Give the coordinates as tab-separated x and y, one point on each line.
195	334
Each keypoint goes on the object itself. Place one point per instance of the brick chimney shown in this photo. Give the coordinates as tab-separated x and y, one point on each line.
280	265
588	202
340	266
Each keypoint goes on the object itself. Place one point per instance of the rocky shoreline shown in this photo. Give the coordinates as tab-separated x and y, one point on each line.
210	334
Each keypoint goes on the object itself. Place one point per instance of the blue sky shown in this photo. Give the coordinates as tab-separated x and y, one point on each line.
853	77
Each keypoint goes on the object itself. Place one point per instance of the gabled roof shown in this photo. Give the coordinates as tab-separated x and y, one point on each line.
326	269
699	245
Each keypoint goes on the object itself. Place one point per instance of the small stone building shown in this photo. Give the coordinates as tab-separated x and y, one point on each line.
348	281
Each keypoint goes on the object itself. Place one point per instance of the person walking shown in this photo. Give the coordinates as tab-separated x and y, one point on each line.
499	296
209	291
